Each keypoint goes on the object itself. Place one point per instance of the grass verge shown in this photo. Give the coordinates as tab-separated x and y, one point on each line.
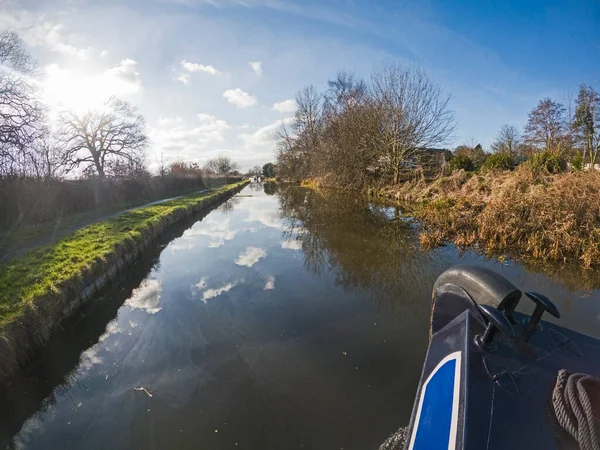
28	235
35	288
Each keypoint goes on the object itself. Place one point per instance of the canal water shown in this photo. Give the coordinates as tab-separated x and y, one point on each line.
284	319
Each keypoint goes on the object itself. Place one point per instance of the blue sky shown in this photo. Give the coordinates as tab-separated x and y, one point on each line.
186	63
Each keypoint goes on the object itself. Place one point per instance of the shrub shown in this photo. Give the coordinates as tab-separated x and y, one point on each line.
577	162
502	161
461	162
550	162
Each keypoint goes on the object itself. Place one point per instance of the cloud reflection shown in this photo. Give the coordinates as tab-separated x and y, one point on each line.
292	245
217	228
202	283
111	328
146	297
270	284
212	293
89	359
250	256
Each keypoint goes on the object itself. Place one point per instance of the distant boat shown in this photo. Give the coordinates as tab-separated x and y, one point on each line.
495	378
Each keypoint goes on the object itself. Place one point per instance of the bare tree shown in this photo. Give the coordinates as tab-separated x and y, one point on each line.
46	158
288	155
101	139
163	165
587	122
414	114
306	126
508	140
350	141
345	91
546	127
221	165
21	114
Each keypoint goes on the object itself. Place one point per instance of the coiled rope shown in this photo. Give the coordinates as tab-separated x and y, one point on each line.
576	408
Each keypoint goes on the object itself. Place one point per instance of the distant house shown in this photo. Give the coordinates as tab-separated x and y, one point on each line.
429	158
426	158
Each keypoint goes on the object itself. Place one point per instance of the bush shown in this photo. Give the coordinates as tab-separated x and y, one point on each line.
461	162
550	162
577	162
502	161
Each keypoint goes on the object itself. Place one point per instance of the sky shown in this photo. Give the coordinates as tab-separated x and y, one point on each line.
217	77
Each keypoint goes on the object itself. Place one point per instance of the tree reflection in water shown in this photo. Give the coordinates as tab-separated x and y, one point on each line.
228	206
366	246
270	188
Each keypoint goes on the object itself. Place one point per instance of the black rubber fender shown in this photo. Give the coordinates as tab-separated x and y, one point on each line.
464	287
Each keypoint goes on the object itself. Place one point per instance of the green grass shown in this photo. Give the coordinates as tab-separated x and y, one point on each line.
24	236
41	272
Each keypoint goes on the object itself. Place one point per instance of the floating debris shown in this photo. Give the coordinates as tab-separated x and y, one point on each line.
143	389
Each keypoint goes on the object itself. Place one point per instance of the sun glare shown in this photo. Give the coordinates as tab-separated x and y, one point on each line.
68	89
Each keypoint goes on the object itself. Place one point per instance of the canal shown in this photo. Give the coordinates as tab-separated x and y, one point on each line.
283	319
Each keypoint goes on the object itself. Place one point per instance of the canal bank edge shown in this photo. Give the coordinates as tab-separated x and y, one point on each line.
32	326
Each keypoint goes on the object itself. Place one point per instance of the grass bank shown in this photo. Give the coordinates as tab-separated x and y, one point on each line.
41	288
527	213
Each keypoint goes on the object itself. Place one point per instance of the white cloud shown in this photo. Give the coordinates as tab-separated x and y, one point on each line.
270	283
146	297
195	67
257	67
250	256
239	98
182	141
184	78
286	106
82	53
263	140
103	53
125	73
292	245
36	31
169	121
212	293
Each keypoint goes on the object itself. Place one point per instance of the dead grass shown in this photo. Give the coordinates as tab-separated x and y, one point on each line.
536	215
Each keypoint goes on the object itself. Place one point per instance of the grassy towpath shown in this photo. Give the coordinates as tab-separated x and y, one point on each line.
21	242
45	270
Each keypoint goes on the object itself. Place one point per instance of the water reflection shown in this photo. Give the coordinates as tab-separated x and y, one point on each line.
366	246
270	188
146	297
250	256
229	205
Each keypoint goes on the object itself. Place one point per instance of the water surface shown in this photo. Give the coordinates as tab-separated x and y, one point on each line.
284	319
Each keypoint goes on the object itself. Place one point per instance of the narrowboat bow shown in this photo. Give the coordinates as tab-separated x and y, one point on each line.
494	378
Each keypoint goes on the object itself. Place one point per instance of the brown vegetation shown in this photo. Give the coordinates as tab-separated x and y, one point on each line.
356	133
528	211
379	136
